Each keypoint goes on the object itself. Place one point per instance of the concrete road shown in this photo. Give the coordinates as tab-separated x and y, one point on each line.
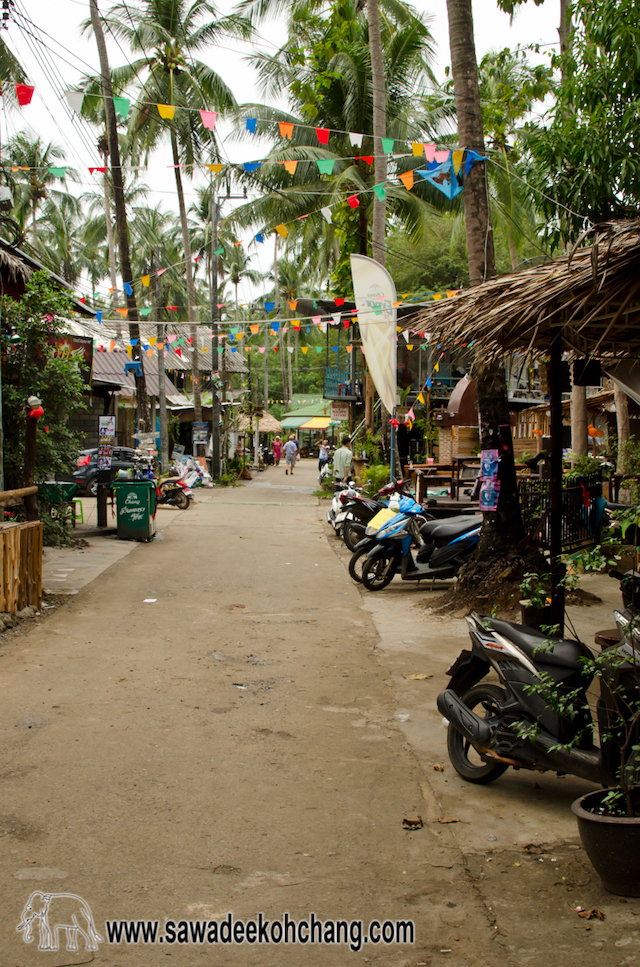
210	728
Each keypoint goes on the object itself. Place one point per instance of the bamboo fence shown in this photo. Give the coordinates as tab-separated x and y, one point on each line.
20	566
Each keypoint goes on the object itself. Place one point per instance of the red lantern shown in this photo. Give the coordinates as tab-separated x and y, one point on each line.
36	413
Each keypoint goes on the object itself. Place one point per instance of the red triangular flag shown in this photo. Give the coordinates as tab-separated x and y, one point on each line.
24	93
323	135
346	322
178	352
353	201
339	302
368	158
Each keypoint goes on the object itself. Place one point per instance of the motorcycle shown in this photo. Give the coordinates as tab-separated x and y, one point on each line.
336	516
494	726
175	491
361	509
442	551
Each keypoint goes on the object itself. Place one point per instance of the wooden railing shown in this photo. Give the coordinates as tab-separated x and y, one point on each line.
20	565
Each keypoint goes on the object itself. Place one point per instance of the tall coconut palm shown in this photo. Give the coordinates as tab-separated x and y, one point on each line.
34	161
170	34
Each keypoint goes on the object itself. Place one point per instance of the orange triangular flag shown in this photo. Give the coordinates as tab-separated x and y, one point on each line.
286	129
290	166
112	345
255	328
166	111
407	180
123	312
293	304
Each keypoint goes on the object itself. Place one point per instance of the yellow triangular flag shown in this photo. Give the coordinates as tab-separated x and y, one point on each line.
145	279
282	231
410	346
152	340
437	295
290	166
215	168
129	351
418	148
407	180
166	111
436	368
305	349
239	335
420	398
456	157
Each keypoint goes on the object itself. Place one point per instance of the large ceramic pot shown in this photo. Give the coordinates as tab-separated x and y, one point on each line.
612	843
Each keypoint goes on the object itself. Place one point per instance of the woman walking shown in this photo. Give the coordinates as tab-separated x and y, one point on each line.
277	450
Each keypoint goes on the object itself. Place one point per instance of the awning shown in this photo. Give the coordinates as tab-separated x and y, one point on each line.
293	422
316	423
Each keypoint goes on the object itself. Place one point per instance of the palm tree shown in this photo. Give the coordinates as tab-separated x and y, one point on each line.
170	34
32	185
61	237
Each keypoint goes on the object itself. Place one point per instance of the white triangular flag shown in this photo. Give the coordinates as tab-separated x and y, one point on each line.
406	334
337	316
356	139
75	99
290	349
327	214
323	327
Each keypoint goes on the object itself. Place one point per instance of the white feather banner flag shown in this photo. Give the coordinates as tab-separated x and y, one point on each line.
375	294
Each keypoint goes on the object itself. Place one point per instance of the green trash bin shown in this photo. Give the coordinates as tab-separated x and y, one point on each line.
135	508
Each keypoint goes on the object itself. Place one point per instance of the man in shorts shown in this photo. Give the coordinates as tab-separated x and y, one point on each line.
342	460
290	454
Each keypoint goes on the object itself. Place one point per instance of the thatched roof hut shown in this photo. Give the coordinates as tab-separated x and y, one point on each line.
592	295
266	424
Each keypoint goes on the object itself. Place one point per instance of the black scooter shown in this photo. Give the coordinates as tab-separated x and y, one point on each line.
486	733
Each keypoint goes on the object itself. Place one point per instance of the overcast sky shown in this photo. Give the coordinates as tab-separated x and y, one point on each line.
55	55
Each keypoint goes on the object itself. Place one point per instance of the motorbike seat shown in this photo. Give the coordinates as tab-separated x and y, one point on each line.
447	530
533	643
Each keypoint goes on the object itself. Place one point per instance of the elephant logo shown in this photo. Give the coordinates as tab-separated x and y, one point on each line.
57	912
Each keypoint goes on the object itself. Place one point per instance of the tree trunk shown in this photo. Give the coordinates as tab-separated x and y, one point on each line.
622	421
121	213
501	530
108	214
363	231
34	224
188	275
161	340
215	399
579	421
379	97
289	366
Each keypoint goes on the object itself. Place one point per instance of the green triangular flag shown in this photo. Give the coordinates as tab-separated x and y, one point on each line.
380	191
145	311
325	167
220	349
218	251
387	145
318	349
58	172
121	106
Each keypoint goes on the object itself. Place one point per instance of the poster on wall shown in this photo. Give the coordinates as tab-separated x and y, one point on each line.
490	488
200	432
76	349
106	441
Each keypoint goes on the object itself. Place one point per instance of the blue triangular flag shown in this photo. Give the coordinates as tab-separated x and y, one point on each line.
269	306
99	316
251	125
443	178
275	326
234	349
134	342
470	159
429	383
252	165
128	288
259	237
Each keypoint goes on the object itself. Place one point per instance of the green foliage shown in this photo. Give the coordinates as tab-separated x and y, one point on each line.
585	159
534	588
29	368
376	475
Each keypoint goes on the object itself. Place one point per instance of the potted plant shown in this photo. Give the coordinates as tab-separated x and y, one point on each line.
609	818
535	604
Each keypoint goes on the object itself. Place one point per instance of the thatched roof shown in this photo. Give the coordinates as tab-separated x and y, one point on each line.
266	424
593	294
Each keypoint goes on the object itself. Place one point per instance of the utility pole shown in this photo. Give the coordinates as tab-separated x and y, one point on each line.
121	214
215	399
161	339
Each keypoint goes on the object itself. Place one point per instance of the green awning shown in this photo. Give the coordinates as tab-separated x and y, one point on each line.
293	422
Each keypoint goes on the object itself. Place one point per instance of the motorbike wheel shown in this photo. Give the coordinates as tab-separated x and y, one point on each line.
179	499
357	562
379	571
352	533
481	699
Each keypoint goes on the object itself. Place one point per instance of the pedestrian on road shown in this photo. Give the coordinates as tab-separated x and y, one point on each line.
277	451
342	460
323	454
290	454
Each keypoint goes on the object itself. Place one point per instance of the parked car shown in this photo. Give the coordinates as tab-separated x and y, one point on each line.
86	472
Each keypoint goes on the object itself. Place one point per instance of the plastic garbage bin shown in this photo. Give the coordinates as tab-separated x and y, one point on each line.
136	509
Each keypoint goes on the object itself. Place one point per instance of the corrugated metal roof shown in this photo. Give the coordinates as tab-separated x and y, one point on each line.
109	368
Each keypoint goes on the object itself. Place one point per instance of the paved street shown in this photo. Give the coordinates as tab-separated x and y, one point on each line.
210	726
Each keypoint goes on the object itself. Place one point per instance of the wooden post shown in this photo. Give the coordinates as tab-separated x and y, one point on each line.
558	569
30	502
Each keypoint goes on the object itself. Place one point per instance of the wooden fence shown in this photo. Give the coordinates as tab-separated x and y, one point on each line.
20	566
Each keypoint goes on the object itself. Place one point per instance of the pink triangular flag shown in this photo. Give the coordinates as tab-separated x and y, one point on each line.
442	156
430	152
160	272
208	119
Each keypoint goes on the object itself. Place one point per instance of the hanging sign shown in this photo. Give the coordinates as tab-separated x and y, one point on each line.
201	433
339	412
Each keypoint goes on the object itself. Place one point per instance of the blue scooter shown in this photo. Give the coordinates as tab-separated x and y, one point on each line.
442	550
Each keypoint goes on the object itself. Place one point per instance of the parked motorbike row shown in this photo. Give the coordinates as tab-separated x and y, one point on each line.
391	534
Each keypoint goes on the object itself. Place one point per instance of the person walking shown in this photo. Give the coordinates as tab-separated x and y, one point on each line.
342	459
277	451
290	454
323	454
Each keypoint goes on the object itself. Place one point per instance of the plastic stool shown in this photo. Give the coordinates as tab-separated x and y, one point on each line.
77	506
